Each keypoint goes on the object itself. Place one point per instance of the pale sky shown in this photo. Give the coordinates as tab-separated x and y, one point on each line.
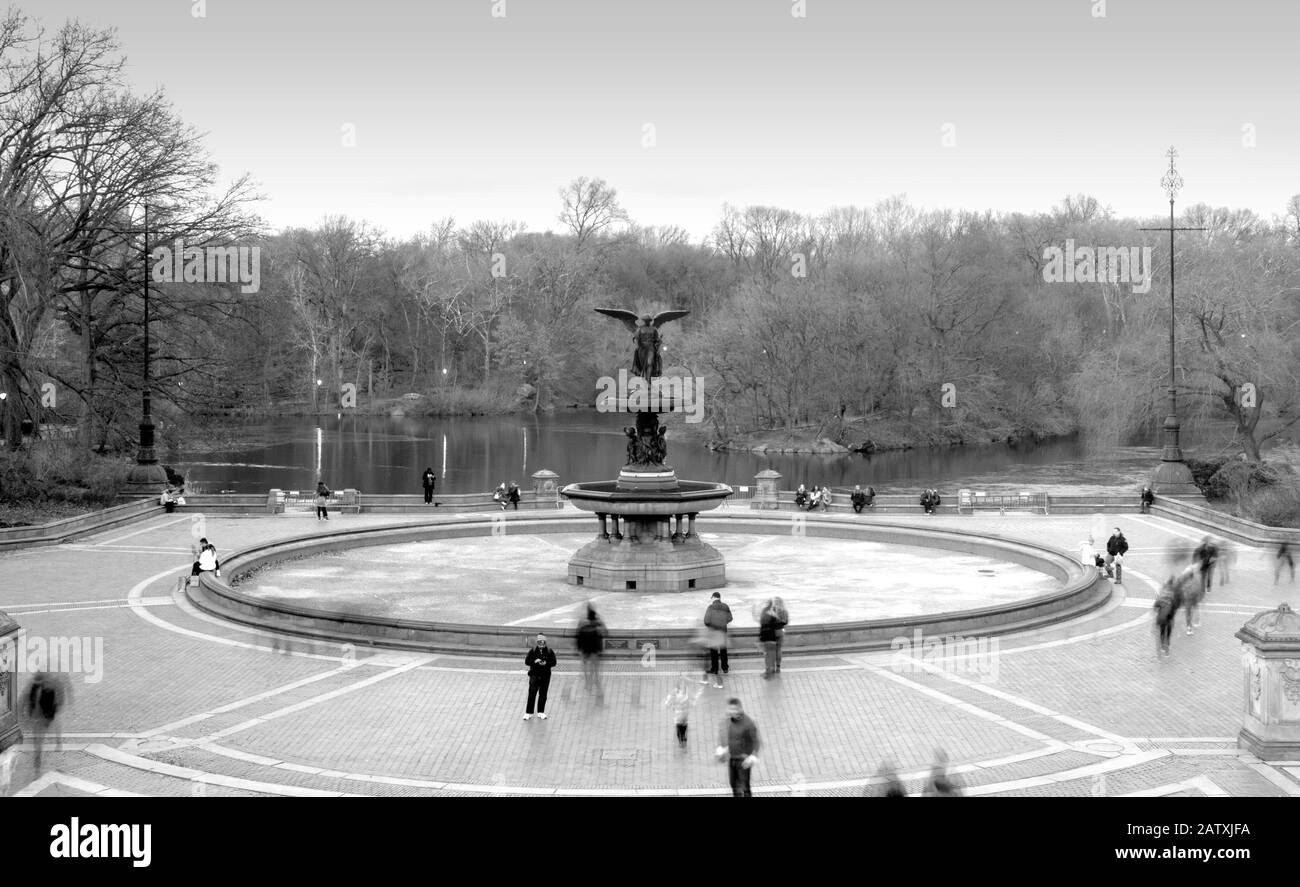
458	112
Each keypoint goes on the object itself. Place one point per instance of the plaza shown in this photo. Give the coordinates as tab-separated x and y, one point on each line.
190	704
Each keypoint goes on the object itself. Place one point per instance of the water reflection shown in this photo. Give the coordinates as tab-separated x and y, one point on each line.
387	455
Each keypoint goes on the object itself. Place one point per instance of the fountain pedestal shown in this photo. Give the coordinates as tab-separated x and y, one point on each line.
647	539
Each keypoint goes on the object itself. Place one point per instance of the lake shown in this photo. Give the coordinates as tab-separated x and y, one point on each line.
378	454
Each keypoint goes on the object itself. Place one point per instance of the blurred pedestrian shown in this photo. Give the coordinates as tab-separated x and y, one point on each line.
428	480
862	498
7	759
890	786
1166	608
540	660
769	623
1227	559
591	644
1148	497
49	694
681	700
513	495
737	747
716	619
942	784
1207	555
322	501
783	616
1283	559
1116	548
1190	592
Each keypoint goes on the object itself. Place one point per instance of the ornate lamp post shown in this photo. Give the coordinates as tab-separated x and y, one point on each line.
1172	477
146	476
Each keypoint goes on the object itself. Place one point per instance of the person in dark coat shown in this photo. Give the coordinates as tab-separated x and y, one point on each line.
716	619
513	495
540	660
1167	602
769	624
591	644
862	498
322	501
1147	498
47	696
737	747
428	480
1116	548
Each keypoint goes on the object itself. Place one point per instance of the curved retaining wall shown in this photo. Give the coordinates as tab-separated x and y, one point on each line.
1081	592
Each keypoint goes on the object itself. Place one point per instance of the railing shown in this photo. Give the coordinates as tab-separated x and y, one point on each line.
971	501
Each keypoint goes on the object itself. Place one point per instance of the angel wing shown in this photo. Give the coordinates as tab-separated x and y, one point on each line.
664	316
628	318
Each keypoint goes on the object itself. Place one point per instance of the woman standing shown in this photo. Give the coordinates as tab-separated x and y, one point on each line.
428	480
322	501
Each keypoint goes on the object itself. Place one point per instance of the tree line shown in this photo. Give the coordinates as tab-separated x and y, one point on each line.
934	317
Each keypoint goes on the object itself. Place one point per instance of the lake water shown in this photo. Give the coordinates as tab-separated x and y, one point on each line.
377	454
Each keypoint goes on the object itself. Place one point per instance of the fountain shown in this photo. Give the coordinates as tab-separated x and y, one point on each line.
647	539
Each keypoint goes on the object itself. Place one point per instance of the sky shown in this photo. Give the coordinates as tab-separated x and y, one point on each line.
484	109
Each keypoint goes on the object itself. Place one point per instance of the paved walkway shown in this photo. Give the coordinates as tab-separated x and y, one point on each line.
189	705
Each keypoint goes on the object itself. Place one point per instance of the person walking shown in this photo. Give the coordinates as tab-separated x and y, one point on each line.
1207	555
429	480
1116	548
1190	592
1166	608
783	616
591	644
499	496
942	784
1283	558
513	495
681	700
738	748
1227	560
891	785
769	623
48	695
716	619
540	660
322	501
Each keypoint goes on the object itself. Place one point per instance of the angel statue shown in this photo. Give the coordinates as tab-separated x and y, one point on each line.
647	361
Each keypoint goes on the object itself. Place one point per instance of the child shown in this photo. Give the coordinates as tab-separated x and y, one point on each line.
681	700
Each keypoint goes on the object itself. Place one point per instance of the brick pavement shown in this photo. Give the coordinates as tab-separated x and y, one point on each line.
1078	709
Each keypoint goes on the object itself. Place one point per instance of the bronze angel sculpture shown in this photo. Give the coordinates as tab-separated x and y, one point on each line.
647	362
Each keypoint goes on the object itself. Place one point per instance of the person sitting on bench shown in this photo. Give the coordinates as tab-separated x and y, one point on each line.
862	499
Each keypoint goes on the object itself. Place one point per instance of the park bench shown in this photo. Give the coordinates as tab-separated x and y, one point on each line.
305	500
971	501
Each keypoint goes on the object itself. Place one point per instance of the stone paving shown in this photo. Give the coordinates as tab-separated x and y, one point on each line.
190	705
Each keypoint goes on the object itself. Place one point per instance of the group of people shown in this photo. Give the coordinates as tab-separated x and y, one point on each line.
1111	565
171	497
930	500
738	741
1186	588
818	497
507	497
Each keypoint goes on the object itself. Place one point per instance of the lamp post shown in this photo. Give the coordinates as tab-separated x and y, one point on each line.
1172	477
146	475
